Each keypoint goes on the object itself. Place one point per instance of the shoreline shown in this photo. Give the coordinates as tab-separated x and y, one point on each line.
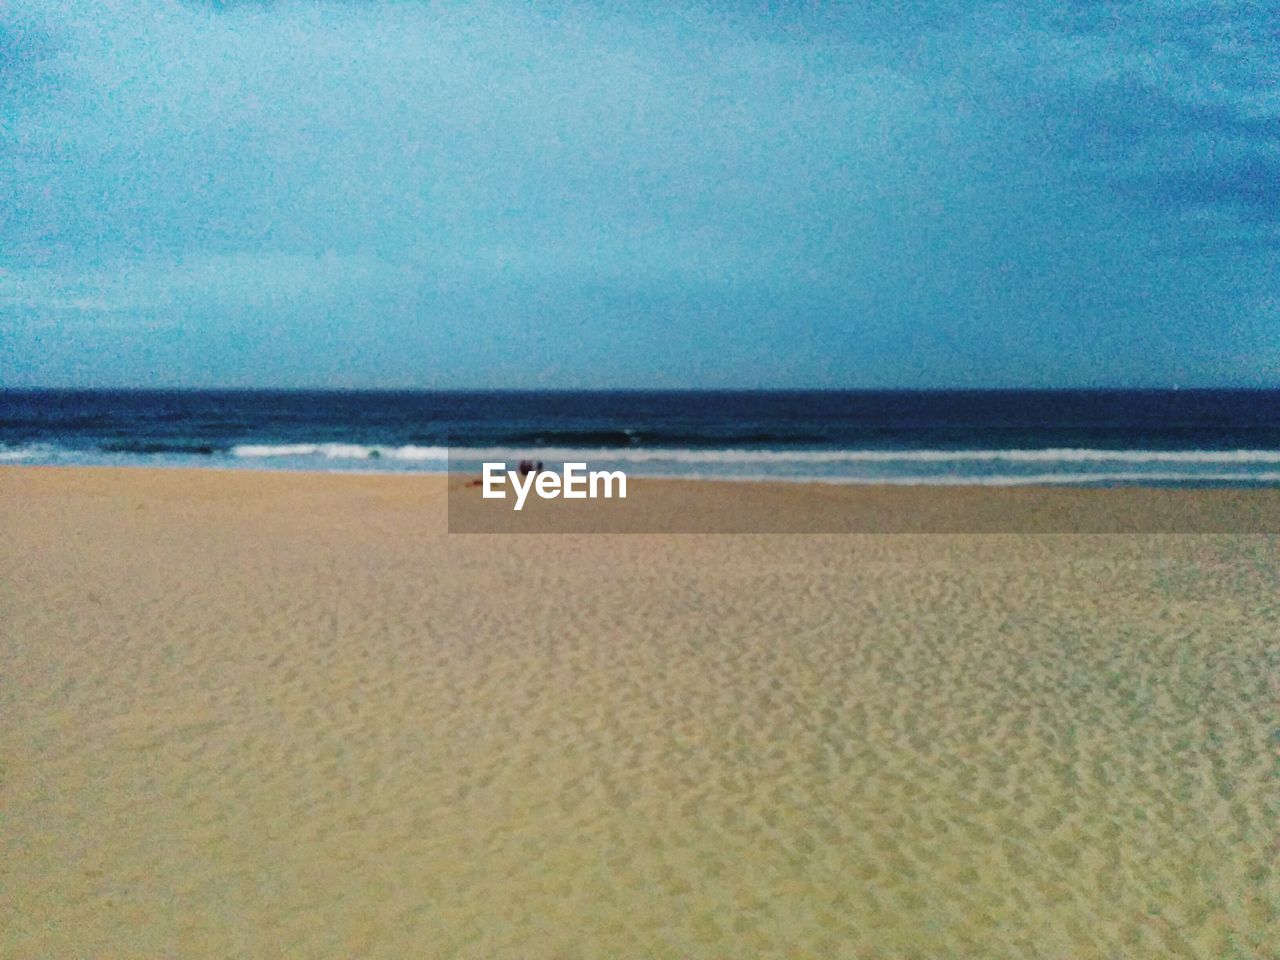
704	505
1038	482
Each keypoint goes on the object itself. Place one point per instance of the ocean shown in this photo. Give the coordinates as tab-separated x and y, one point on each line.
1185	437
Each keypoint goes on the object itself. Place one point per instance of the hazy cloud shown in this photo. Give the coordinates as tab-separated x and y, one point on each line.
600	194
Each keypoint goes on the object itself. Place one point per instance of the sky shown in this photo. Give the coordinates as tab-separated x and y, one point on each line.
596	195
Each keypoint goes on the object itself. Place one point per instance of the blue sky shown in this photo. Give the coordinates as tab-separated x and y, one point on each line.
365	194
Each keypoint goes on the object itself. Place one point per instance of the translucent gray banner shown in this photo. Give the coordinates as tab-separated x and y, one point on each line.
517	497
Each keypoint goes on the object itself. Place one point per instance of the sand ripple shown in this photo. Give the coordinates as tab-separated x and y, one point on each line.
299	721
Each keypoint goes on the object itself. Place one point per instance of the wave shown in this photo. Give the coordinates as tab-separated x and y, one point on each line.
660	455
340	451
31	452
744	456
1000	480
936	467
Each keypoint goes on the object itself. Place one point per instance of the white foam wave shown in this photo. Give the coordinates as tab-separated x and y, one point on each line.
31	452
340	451
899	467
998	480
1060	455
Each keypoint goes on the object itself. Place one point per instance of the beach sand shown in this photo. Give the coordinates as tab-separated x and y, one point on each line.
252	714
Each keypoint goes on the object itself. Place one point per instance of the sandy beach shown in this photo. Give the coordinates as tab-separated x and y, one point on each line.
265	714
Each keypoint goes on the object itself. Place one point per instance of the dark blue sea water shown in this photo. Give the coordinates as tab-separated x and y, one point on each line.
989	437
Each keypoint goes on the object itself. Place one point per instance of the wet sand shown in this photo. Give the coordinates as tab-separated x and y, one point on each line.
250	714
